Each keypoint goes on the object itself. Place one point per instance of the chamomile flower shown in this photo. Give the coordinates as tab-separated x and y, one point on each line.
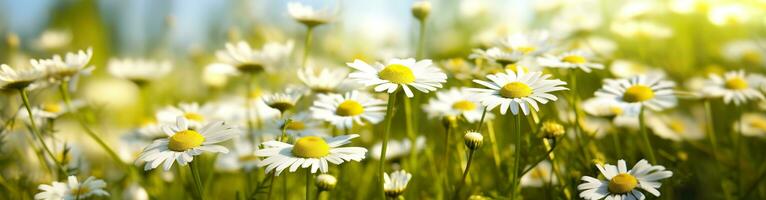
622	183
734	86
726	15
747	51
395	183
247	60
638	91
183	143
282	101
301	124
309	151
454	103
398	148
602	107
68	68
325	81
53	39
676	127
242	157
139	70
307	15
641	29
421	75
499	56
517	91
48	111
72	189
753	125
572	60
14	79
534	43
540	174
195	114
343	111
627	68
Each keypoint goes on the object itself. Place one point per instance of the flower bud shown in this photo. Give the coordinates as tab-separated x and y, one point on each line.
473	140
551	129
421	9
326	182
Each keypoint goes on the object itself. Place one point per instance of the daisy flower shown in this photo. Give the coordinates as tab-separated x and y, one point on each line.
499	56
638	91
139	71
52	39
182	143
301	124
325	81
309	151
534	43
398	148
395	183
572	60
602	107
343	111
734	86
622	183
67	68
282	101
48	111
11	79
676	127
307	15
247	60
725	15
517	91
195	114
455	102
72	189
641	29
243	157
421	75
753	124
542	173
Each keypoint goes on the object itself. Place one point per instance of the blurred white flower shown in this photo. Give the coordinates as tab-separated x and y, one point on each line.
727	15
735	86
14	79
576	20
395	184
689	6
72	189
455	102
307	15
242	158
326	80
69	68
247	60
577	59
53	39
676	127
139	71
753	125
195	114
301	124
397	148
627	68
747	51
541	173
641	29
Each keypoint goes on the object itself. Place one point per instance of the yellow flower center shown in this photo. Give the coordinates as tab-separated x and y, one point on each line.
80	191
311	147
194	116
464	105
250	67
397	73
515	68
677	126
538	173
247	158
526	49
574	59
736	83
638	93
295	126
622	183
616	110
282	106
349	108
51	107
185	140
515	90
758	123
752	57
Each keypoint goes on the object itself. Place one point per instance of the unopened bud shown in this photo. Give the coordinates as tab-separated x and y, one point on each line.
473	140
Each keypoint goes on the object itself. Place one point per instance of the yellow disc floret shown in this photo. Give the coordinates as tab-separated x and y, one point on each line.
574	59
397	73
349	108
464	105
515	90
194	116
311	147
736	83
51	107
185	140
294	125
638	93
622	183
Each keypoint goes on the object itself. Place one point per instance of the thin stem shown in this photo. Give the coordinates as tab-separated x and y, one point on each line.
68	101
307	45
447	131
465	174
249	106
271	184
308	184
645	135
421	39
197	180
36	131
738	152
408	115
516	156
616	143
481	121
493	140
577	128
389	117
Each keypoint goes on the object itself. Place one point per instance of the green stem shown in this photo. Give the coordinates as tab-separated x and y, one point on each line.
308	183
68	101
389	117
447	135
197	180
36	131
578	131
248	107
307	45
410	132
738	152
271	184
493	140
421	39
645	135
481	121
616	143
465	174
516	157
